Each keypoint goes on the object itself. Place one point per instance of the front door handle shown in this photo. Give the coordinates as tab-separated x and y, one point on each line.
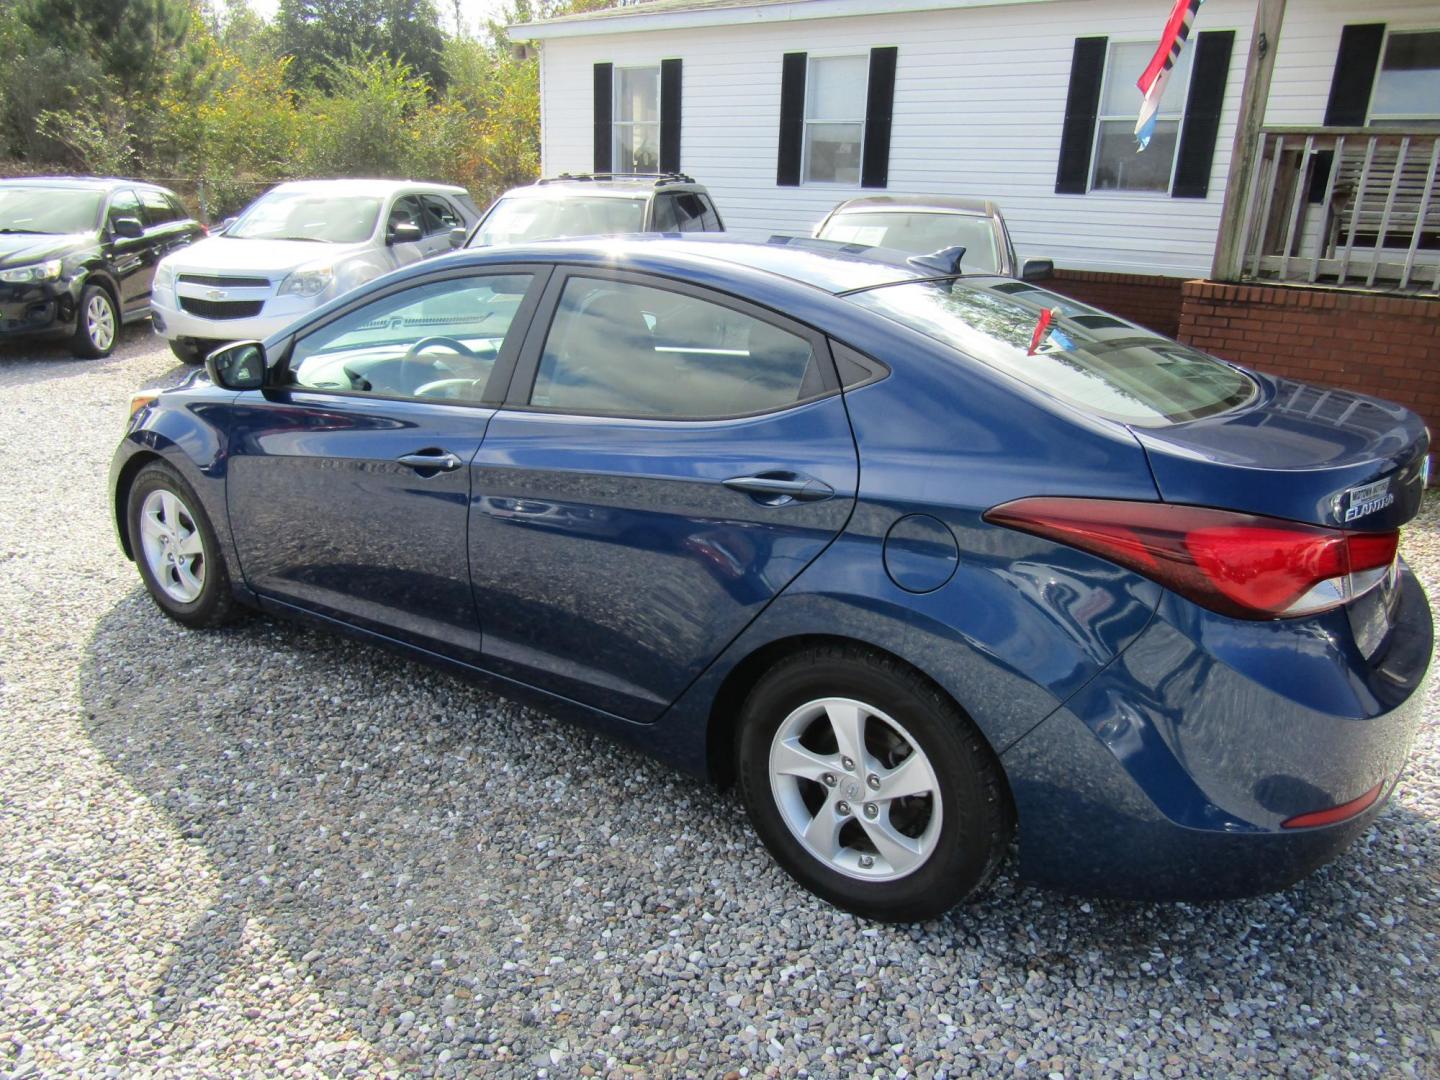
779	488
431	461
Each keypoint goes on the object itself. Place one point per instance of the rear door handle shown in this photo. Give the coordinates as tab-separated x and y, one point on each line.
431	460
779	488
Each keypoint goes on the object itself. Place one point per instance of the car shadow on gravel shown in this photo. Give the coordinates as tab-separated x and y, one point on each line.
422	849
31	363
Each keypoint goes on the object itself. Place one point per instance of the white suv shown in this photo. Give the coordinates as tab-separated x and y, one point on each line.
296	247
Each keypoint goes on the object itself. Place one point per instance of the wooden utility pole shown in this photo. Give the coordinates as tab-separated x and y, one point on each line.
1264	40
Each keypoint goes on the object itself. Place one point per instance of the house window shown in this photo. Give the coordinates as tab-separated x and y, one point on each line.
835	95
1116	165
637	120
1407	86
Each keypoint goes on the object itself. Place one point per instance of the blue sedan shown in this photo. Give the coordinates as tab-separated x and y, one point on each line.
924	561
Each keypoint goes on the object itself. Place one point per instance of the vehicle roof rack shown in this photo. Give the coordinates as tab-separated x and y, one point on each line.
660	178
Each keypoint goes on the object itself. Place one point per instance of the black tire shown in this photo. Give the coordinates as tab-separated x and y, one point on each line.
977	818
89	341
215	604
186	352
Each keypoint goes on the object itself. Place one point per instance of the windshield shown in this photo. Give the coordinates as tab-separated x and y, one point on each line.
298	215
1079	354
48	210
920	233
514	221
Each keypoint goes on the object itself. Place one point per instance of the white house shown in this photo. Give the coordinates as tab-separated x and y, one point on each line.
785	107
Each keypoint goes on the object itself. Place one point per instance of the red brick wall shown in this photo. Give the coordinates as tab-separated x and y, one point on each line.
1387	346
1153	302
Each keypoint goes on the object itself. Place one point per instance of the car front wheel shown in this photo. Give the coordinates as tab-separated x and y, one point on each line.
96	325
176	549
869	786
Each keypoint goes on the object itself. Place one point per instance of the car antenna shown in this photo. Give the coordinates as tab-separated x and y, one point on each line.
946	260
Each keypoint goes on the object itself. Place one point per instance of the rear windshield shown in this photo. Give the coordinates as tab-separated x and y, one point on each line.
516	221
920	233
1087	358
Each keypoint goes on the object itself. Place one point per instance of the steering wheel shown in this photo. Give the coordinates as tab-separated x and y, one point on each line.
412	356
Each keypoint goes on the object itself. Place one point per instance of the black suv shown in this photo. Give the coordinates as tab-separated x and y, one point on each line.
77	255
596	204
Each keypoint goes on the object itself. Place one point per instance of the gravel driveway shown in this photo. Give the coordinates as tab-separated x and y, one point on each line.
272	852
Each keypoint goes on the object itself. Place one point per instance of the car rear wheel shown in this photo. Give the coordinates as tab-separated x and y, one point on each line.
869	786
176	549
96	324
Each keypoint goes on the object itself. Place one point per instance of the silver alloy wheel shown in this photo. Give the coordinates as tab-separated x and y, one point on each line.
173	549
100	321
870	808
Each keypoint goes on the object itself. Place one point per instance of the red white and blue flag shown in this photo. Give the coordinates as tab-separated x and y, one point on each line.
1157	73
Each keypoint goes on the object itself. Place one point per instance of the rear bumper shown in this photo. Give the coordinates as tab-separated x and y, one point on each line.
1169	776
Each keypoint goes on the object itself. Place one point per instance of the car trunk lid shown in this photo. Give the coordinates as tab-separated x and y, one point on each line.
1327	457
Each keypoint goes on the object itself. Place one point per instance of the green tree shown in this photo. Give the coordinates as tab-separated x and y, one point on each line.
132	42
317	34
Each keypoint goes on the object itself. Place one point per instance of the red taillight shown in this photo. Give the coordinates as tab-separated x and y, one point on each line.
1244	565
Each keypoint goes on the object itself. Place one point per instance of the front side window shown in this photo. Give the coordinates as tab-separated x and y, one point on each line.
433	342
1116	164
298	215
624	349
636	138
516	221
443	217
48	210
835	92
920	233
124	204
1407	86
159	210
1103	366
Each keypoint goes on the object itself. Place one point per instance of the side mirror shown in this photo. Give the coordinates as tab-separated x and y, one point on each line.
128	228
1036	269
458	235
404	232
240	366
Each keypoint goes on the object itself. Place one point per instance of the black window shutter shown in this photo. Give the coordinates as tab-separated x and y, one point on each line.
1354	76
670	116
879	108
792	120
1082	104
604	104
1209	69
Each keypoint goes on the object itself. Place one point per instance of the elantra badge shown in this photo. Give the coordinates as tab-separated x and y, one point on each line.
1362	501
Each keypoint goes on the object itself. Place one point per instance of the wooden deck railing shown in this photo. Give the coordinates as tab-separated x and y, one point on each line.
1344	207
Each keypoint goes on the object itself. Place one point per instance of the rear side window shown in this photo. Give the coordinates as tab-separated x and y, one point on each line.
1053	343
624	349
685	212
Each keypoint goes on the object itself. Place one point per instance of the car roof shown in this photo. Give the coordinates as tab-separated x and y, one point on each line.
823	264
606	185
949	204
368	187
81	183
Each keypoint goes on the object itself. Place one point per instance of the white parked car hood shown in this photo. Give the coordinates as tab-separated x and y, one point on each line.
220	254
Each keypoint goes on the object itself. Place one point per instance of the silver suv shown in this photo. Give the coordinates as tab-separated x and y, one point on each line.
597	204
296	247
